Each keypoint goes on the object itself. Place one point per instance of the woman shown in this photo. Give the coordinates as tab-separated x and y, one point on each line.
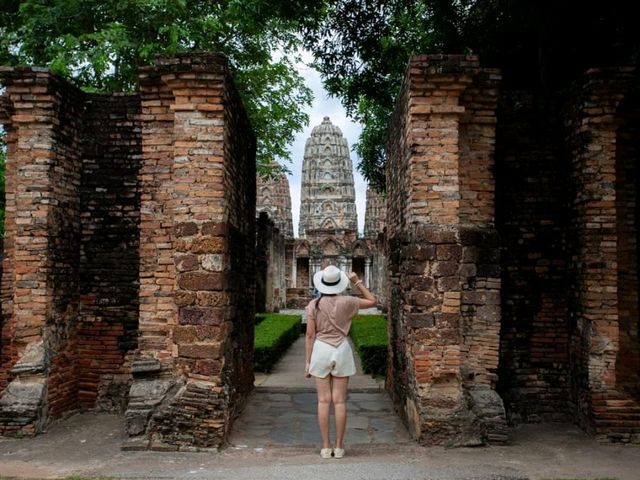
328	354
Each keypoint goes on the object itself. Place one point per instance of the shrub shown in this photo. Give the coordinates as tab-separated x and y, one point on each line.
260	317
273	336
369	334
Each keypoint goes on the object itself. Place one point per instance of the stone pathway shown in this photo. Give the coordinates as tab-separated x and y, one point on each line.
282	409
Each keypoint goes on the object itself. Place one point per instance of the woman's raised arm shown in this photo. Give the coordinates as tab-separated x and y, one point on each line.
369	301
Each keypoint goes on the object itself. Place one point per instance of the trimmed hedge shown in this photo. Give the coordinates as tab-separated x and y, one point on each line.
260	317
273	336
369	334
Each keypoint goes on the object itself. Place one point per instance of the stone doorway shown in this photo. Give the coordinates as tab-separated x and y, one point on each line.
357	266
302	273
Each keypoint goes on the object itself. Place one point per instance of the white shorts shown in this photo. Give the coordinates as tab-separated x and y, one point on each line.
327	359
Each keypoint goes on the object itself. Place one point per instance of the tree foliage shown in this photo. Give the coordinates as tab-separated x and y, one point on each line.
101	44
361	48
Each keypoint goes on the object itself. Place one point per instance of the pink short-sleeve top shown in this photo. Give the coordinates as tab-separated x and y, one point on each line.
333	317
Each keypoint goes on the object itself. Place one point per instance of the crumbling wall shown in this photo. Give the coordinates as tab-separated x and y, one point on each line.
532	213
69	285
602	113
193	369
126	281
444	285
270	266
566	175
109	254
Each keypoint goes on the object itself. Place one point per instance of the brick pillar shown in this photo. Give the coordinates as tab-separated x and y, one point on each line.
194	368
444	278
598	232
41	248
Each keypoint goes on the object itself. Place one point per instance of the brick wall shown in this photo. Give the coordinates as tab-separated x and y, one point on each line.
532	212
444	285
601	115
40	274
69	283
64	230
109	254
128	222
627	220
194	366
8	352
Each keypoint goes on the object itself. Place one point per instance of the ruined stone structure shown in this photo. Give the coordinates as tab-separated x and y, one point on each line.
328	231
567	215
508	261
271	254
443	250
375	221
513	274
375	217
274	242
274	198
327	199
126	274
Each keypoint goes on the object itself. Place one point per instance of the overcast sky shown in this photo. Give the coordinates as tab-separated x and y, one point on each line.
323	106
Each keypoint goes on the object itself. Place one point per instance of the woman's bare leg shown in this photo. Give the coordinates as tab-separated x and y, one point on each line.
339	398
323	387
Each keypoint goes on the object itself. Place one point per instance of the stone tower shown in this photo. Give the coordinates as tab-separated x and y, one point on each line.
375	215
328	194
273	197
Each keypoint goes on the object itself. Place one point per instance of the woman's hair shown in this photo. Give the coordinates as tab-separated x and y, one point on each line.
320	298
318	302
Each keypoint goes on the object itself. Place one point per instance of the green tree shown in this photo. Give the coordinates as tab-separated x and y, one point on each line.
101	44
361	49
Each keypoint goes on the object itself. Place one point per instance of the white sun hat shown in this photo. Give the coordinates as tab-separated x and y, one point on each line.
331	280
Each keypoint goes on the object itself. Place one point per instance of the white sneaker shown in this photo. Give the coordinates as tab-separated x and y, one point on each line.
338	452
325	453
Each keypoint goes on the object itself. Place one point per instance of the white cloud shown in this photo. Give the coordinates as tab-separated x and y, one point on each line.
323	106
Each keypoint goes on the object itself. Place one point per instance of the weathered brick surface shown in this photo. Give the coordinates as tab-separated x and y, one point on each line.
128	222
273	196
604	348
109	260
375	217
374	229
531	217
71	191
198	223
42	269
444	276
157	269
567	216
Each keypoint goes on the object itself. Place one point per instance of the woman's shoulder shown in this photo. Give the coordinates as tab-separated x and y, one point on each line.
349	299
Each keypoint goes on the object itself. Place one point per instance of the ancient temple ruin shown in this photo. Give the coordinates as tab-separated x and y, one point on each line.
507	262
328	230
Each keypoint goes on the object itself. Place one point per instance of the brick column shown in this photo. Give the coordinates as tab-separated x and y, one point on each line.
444	279
599	231
195	363
41	248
